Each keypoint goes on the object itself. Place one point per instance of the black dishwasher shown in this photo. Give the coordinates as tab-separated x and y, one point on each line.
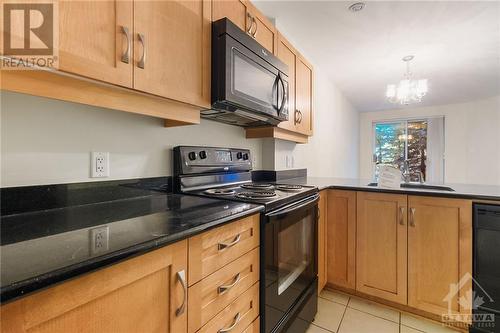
486	286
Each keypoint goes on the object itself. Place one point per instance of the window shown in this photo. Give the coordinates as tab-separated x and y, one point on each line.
398	141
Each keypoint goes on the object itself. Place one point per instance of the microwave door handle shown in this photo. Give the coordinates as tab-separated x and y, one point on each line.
283	99
276	84
293	207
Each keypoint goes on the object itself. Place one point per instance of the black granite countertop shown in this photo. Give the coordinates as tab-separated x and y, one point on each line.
467	191
46	230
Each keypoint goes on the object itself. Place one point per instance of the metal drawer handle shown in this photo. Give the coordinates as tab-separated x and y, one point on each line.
181	276
126	54
401	215
142	61
237	319
412	217
222	246
222	289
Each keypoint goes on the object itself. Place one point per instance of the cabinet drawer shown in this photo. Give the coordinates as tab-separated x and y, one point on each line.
207	297
254	327
216	248
238	315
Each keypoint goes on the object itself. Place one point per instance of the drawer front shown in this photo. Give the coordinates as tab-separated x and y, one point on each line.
214	249
238	315
254	327
212	294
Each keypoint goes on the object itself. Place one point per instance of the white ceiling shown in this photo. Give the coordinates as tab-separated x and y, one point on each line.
456	46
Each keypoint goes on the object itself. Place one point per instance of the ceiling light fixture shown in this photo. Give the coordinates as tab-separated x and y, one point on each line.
408	90
357	6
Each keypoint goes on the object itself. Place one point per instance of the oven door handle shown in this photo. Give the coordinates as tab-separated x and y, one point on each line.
295	206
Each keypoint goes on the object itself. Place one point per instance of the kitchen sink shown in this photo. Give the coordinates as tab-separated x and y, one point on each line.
419	186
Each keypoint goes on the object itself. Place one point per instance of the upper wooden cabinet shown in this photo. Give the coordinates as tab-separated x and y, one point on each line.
341	238
95	40
172	49
381	246
287	54
234	10
303	97
143	294
439	253
299	125
247	18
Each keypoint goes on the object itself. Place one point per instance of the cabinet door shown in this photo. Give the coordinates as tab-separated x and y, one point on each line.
172	49
234	10
439	253
93	40
322	232
341	240
286	53
303	96
139	295
262	30
381	246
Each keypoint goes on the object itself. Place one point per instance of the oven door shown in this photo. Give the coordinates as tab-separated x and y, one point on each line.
289	257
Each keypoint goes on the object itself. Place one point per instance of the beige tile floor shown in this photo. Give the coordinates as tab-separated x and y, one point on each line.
341	313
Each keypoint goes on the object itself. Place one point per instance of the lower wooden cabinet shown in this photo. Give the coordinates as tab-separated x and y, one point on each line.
212	294
143	294
238	315
322	271
381	246
439	253
341	238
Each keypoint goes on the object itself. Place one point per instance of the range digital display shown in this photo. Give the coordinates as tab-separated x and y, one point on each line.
223	155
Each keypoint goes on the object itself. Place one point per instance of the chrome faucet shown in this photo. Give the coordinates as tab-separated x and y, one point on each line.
406	171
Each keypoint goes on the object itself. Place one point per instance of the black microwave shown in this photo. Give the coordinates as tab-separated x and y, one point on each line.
249	84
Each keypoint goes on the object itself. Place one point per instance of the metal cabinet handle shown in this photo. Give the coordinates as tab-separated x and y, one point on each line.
181	276
256	27
237	319
401	215
412	217
142	61
126	54
252	21
222	289
298	117
222	246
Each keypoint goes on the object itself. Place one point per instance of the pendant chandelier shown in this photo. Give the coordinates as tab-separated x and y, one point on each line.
408	90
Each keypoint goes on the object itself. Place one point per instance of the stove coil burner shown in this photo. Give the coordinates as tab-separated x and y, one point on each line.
261	195
258	187
215	191
289	187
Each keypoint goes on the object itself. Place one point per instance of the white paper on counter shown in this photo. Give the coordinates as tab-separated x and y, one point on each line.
389	177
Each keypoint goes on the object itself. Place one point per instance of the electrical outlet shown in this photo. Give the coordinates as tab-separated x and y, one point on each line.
99	165
99	240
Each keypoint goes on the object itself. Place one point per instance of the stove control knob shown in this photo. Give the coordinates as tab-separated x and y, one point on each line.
239	155
203	154
192	156
245	156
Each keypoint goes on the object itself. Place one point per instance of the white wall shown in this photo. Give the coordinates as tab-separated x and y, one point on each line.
45	141
472	139
333	149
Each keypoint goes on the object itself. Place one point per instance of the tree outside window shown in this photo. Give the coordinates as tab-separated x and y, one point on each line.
396	142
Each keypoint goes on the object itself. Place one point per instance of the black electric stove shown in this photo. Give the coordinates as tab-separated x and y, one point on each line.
288	231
